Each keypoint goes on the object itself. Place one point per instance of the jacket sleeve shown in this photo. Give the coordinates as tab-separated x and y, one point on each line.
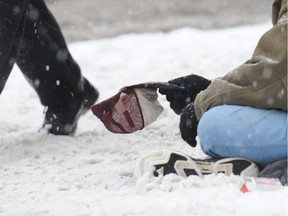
261	82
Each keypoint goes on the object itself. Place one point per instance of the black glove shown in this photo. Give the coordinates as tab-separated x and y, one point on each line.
179	99
188	125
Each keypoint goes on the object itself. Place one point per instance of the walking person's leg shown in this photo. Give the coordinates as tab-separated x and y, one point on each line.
45	60
40	51
11	20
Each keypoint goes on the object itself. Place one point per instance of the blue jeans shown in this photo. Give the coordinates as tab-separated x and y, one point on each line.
239	131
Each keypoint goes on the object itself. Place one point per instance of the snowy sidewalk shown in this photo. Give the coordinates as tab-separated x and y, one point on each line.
90	19
91	174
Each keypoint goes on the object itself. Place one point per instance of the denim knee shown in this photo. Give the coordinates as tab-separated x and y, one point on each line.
238	131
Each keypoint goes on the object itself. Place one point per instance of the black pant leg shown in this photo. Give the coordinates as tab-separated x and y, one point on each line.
11	23
44	58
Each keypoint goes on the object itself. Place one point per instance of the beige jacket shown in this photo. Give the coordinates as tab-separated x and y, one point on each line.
261	82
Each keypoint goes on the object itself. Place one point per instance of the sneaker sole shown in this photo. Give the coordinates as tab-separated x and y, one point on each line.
165	162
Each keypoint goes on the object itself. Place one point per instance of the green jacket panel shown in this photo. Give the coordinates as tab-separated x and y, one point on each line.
261	82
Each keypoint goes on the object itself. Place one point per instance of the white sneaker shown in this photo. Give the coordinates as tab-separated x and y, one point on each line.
164	162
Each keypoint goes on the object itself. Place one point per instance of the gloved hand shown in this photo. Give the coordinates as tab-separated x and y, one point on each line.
179	99
188	125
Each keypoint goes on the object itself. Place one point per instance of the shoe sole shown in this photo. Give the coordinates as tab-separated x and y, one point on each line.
165	162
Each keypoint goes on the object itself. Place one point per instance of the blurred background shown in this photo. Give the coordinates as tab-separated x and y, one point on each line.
94	19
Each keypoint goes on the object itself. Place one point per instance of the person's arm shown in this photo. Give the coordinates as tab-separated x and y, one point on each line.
261	82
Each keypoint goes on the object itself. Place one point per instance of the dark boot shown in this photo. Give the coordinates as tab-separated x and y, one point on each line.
63	120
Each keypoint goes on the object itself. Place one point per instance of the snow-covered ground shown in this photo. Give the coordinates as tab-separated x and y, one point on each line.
92	172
